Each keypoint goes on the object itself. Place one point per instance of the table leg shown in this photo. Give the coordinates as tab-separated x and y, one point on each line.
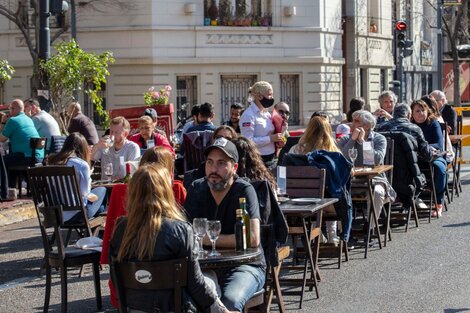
374	217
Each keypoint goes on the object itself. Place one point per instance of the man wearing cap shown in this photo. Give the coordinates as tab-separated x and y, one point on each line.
216	197
150	112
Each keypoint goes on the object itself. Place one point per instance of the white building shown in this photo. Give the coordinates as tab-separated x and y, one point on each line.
165	41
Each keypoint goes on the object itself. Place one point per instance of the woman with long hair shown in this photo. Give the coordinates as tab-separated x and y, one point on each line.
256	123
156	229
317	136
75	153
422	116
250	163
163	157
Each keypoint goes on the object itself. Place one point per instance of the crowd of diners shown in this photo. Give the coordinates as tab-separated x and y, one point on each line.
159	209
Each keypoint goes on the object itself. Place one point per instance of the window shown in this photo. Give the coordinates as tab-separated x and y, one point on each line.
290	90
238	12
373	15
383	79
234	89
186	95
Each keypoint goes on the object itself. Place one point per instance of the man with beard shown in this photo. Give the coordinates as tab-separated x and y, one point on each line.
236	111
216	197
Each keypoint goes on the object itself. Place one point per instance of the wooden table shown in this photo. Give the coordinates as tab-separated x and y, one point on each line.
369	174
307	213
230	258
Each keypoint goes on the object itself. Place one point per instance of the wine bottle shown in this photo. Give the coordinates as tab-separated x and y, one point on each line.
246	220
126	178
240	232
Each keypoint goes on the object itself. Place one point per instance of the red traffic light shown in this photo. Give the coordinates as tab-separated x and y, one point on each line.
400	26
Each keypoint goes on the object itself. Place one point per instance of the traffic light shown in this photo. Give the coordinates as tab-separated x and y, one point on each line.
403	43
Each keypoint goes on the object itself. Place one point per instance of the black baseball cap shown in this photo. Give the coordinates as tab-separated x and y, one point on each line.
151	112
226	146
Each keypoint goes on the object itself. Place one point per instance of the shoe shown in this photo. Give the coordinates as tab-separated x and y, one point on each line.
437	212
420	204
323	239
333	240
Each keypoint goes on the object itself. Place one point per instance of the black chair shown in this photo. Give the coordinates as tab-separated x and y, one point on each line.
35	144
291	141
151	275
57	255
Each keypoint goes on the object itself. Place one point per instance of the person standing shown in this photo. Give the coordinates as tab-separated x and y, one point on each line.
81	123
236	111
19	129
204	120
256	123
45	124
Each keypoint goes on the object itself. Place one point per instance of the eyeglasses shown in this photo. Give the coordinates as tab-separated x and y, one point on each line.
282	112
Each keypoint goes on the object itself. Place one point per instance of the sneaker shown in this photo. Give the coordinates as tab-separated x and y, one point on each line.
333	240
323	239
420	204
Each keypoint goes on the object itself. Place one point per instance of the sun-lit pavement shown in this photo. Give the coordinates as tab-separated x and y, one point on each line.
424	270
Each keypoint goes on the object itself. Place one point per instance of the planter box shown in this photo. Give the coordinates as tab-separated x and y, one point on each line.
164	111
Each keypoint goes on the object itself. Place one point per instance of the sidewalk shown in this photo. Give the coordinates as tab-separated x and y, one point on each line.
16	211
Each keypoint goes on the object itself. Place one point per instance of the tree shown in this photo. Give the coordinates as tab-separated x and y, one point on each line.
6	72
71	68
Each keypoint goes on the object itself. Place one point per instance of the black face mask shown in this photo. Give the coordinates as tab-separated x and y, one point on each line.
266	103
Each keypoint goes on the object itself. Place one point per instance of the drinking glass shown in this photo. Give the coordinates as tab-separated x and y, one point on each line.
108	170
213	232
110	141
200	229
352	155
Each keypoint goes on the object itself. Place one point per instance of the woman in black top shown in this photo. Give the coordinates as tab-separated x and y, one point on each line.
156	229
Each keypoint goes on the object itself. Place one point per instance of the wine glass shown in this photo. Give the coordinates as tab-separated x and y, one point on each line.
213	232
352	155
108	170
200	229
110	141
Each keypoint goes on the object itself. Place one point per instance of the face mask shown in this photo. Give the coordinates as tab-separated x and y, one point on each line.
266	103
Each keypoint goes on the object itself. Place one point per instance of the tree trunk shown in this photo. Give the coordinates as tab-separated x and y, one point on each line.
456	69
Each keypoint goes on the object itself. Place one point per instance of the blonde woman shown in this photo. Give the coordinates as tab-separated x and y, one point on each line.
156	229
256	123
318	136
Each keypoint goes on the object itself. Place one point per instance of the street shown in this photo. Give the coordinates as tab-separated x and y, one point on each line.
424	270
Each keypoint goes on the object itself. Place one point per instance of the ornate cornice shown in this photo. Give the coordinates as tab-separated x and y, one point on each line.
239	39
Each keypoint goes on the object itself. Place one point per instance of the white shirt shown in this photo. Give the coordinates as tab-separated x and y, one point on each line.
258	126
130	151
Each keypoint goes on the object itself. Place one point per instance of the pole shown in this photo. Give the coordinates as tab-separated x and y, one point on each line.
439	45
73	20
400	75
44	31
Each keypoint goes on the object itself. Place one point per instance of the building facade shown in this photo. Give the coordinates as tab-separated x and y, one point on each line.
295	45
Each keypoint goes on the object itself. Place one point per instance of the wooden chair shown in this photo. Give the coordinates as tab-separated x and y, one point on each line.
45	190
35	144
58	186
151	275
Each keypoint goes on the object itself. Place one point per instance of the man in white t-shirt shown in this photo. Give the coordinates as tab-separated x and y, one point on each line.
44	123
121	151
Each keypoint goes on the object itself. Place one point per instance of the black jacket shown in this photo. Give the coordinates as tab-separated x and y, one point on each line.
174	240
404	125
450	117
407	177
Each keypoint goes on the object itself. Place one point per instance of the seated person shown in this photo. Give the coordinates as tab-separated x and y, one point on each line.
19	129
156	230
75	153
387	100
152	113
122	150
422	116
216	196
147	137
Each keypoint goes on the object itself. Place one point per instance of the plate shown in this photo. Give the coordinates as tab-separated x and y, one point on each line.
305	200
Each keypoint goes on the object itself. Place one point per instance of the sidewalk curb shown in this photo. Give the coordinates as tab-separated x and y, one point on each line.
18	212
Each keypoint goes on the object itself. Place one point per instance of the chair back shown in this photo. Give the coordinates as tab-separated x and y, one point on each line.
305	181
389	158
54	186
57	142
150	275
194	144
459	125
36	144
291	141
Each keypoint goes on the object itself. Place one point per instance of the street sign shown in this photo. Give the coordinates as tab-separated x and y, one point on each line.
400	26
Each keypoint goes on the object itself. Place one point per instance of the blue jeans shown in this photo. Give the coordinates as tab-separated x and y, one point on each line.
92	208
440	179
239	284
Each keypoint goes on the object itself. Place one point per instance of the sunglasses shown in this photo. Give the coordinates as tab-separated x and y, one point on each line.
282	112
